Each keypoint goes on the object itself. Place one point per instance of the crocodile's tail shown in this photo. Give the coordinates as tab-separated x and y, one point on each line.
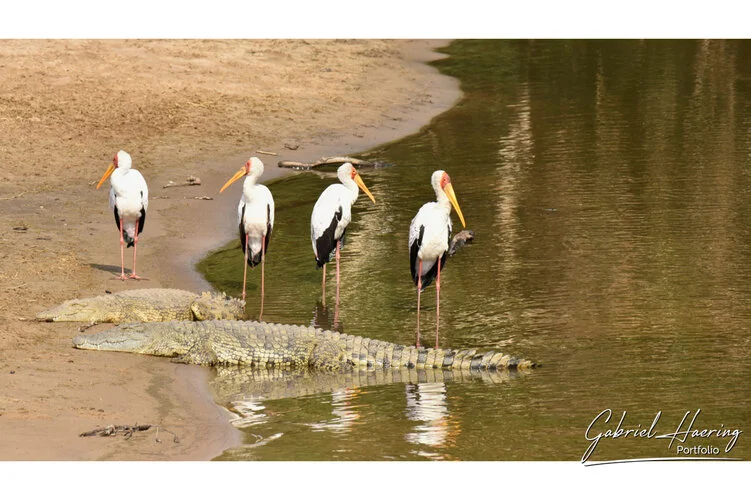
370	353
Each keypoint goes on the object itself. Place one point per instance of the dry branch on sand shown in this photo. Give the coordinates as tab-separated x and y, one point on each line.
190	181
125	430
114	430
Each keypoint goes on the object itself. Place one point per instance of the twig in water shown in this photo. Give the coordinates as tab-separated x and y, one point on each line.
298	165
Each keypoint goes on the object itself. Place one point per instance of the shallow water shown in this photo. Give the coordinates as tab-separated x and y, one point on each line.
607	184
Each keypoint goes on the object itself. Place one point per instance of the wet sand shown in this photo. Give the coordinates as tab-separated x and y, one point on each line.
180	108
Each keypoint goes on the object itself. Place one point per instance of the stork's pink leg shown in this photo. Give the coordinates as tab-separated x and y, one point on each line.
323	286
336	317
263	264
338	243
133	274
419	291
437	300
245	258
122	253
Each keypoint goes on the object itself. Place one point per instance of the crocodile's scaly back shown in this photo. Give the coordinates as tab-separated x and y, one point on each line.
149	304
217	306
257	344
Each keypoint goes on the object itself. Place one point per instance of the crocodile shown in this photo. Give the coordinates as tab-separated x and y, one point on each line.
165	304
149	304
266	345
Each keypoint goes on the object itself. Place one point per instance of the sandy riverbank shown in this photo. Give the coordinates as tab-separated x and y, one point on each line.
180	108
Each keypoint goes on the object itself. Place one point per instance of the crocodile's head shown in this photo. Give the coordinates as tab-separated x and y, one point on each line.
130	337
72	310
210	306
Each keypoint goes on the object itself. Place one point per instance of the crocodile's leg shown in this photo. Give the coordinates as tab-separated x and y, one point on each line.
245	258
419	291
133	274
122	252
437	300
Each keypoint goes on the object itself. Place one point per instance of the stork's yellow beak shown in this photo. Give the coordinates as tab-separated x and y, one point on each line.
109	171
361	184
238	175
449	190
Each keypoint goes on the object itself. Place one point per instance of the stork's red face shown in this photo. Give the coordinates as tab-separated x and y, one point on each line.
445	179
448	188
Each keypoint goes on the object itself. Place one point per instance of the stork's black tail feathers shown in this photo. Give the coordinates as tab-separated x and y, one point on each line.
255	259
141	222
428	277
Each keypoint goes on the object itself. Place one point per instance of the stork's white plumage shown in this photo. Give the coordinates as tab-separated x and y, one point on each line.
255	217
429	237
331	215
129	198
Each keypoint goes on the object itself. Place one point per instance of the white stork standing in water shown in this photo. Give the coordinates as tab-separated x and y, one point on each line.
429	237
129	197
255	216
331	215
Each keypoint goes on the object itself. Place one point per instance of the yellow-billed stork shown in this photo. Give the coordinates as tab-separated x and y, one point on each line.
331	215
255	217
429	237
129	197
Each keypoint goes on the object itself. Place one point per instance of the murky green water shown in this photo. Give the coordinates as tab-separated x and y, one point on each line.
608	186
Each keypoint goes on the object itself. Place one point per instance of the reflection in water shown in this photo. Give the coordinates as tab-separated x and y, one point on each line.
608	186
322	317
249	393
249	413
250	387
344	411
426	403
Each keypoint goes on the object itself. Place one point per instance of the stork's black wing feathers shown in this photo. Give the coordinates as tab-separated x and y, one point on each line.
242	230
117	218
326	243
413	249
142	219
268	229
